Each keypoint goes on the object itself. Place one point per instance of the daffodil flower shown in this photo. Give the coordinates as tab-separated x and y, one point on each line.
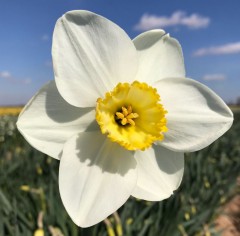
119	115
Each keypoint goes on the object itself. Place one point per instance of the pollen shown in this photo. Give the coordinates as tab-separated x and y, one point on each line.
132	115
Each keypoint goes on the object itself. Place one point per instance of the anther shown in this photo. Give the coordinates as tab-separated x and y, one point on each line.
125	111
124	121
119	115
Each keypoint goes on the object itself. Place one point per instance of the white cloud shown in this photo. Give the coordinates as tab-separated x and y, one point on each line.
193	21
45	37
230	48
26	81
5	75
8	76
214	77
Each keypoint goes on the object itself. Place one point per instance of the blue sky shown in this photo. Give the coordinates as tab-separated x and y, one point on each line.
208	31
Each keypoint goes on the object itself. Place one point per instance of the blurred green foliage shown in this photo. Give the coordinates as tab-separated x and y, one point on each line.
29	195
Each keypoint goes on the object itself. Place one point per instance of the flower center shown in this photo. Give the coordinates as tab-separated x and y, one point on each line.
126	116
132	115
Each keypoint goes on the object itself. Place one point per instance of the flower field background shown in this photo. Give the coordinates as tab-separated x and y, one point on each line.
30	200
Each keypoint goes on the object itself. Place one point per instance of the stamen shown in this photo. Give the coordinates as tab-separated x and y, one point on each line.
124	121
126	116
124	111
131	122
129	109
132	115
119	115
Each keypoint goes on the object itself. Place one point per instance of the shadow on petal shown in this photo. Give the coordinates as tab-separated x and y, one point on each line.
214	102
96	149
167	160
58	109
156	36
77	19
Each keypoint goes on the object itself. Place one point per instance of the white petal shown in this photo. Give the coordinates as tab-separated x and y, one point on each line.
90	55
160	172
96	177
160	56
196	115
47	121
